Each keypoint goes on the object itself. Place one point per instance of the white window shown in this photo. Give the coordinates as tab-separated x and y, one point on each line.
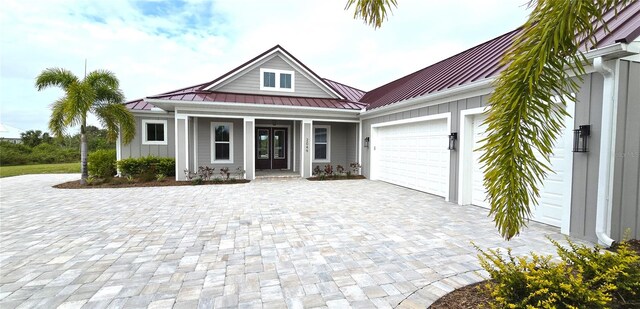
321	143
221	142
277	80
154	132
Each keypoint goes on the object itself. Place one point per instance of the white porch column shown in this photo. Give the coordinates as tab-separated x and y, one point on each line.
305	156
182	145
249	148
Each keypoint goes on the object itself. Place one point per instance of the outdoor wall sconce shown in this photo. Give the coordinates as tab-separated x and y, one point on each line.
452	141
581	138
366	142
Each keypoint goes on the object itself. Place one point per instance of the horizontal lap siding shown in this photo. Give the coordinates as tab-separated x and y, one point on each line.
454	107
136	149
625	214
249	82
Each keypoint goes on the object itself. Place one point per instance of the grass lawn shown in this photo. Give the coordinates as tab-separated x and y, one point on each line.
59	168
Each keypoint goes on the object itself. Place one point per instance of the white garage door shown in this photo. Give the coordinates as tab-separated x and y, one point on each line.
555	193
414	155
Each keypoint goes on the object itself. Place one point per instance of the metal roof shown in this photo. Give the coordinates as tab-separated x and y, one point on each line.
483	61
475	64
226	97
350	93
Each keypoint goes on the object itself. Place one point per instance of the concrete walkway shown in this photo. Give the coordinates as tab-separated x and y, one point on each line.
269	243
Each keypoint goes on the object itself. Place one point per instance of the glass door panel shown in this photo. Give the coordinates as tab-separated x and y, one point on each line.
263	143
279	145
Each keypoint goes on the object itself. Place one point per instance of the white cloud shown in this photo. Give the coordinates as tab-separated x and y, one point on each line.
154	47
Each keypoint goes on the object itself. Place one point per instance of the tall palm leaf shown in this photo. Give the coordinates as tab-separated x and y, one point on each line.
97	93
522	120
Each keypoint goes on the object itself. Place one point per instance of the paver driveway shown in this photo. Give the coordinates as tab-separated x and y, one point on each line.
292	243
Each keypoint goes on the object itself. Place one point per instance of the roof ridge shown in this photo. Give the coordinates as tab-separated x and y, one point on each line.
343	84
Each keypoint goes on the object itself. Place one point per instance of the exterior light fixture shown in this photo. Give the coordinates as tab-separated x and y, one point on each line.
366	142
452	141
581	138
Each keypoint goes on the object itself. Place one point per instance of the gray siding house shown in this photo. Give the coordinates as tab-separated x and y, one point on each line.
419	131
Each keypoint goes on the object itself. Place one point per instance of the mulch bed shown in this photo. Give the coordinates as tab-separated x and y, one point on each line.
470	296
634	244
353	177
124	183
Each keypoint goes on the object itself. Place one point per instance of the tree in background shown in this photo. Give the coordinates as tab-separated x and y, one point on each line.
521	118
97	93
33	138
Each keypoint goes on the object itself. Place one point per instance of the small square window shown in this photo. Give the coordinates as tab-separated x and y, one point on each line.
269	79
154	132
285	80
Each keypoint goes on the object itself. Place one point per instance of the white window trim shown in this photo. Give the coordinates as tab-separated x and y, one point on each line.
213	142
277	87
313	144
144	132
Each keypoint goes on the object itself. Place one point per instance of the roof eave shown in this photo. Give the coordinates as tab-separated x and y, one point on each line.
170	105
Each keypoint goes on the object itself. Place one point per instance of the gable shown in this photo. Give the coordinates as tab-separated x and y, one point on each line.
248	80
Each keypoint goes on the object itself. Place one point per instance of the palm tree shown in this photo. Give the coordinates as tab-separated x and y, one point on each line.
97	93
521	120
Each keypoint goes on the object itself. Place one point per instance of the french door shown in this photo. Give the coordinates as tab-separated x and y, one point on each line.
271	148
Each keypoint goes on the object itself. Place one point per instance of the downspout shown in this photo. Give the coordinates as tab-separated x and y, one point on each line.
609	102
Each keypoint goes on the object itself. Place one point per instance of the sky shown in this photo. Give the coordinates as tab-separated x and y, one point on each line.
155	46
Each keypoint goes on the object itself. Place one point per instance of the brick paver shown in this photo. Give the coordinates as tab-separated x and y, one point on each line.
275	244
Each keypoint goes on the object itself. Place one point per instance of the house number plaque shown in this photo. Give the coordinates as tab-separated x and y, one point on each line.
306	144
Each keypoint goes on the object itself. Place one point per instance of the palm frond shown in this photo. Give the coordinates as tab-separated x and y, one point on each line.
80	98
372	12
62	78
102	79
57	121
116	117
523	120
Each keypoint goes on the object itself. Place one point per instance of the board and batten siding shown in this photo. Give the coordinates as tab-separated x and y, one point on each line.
249	81
136	149
584	188
625	212
453	107
205	139
339	140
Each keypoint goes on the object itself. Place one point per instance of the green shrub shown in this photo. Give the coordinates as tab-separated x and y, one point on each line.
14	154
584	278
102	163
50	153
137	166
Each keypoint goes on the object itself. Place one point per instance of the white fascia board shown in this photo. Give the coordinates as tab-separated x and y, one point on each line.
287	59
458	93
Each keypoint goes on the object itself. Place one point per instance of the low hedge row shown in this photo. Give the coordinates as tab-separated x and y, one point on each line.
147	165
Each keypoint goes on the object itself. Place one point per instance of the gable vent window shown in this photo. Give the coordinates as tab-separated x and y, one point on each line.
277	80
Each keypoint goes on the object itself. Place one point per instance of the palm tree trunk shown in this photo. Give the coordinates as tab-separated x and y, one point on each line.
83	153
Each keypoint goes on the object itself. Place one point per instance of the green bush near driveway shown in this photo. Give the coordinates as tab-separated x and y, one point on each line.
102	163
137	167
583	278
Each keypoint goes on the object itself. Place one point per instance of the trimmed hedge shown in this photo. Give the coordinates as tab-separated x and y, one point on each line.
102	163
137	167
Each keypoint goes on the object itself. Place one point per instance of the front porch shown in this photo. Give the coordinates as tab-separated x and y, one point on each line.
263	146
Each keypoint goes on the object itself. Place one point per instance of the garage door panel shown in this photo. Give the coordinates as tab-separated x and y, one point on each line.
414	155
555	189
